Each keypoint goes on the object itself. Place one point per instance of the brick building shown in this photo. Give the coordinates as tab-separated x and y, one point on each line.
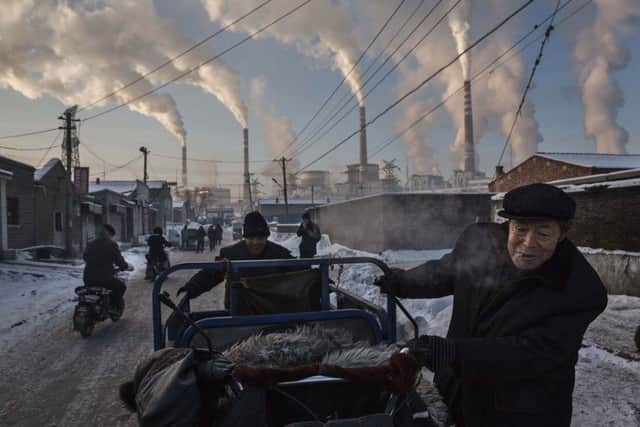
52	187
607	207
545	167
5	176
20	199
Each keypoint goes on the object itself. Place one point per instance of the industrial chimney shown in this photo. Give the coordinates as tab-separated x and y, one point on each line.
469	153
184	164
363	145
246	191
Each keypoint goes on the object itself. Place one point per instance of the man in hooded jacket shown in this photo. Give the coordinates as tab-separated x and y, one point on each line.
523	296
254	245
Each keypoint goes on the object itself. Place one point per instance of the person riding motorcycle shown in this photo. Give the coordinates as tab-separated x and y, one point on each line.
157	254
100	256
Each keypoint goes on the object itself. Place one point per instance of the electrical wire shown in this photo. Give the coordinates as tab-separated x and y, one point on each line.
180	55
369	77
547	35
344	78
422	83
491	67
191	70
35	132
311	141
118	167
165	156
53	143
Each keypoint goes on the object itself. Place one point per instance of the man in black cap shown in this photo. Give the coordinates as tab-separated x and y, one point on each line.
523	296
254	245
101	254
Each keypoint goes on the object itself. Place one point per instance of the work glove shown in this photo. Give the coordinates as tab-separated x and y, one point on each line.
391	282
433	352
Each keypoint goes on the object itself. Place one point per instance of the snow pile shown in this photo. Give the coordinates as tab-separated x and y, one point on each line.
432	315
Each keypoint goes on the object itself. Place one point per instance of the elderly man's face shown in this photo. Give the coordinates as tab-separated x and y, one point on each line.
532	243
256	245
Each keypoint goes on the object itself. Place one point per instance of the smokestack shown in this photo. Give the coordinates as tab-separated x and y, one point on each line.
363	144
469	154
245	188
184	164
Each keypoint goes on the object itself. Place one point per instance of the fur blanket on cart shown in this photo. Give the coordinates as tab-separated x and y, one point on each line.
265	359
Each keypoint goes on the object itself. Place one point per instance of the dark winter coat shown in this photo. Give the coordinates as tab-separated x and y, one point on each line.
205	280
157	243
517	334
201	233
310	237
100	256
211	232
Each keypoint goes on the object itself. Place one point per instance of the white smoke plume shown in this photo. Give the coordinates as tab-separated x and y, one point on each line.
277	130
599	51
495	98
416	140
321	30
79	51
460	24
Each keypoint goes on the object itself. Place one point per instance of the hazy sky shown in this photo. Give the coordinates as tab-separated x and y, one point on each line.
283	77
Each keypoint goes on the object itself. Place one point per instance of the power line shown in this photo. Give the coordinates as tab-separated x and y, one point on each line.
421	84
118	167
180	55
481	73
207	160
372	63
35	132
53	144
547	34
311	141
213	58
344	78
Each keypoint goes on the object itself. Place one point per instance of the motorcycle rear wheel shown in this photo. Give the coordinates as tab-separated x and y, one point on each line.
83	323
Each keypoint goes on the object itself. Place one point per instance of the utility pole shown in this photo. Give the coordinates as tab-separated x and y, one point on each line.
145	152
283	162
68	118
312	201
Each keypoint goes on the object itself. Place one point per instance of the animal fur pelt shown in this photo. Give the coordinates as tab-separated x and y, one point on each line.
312	350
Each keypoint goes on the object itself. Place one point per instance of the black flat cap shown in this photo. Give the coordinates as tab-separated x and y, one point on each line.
538	201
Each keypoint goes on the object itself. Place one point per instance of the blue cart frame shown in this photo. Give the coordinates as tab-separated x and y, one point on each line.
387	318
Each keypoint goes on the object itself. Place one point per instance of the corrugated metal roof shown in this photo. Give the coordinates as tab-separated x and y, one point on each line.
596	160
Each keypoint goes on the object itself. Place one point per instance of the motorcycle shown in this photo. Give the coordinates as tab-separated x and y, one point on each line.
155	266
94	305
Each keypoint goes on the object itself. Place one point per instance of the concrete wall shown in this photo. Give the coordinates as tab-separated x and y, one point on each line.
402	221
620	272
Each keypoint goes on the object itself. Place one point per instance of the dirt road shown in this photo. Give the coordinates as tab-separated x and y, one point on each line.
59	379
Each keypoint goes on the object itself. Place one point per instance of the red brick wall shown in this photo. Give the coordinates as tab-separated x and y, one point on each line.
608	218
21	187
537	169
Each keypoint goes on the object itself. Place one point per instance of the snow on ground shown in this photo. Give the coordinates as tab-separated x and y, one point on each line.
32	292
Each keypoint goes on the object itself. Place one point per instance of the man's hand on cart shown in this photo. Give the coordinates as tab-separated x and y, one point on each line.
391	282
433	352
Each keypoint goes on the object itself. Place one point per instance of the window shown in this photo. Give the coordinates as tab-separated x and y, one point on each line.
13	211
58	221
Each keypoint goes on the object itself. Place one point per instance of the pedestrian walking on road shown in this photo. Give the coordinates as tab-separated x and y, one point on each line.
200	240
211	235
310	233
218	234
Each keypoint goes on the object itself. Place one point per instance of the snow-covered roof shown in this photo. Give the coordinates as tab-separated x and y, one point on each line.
40	173
116	186
318	201
601	185
604	161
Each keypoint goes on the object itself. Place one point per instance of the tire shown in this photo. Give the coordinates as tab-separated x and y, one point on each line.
83	321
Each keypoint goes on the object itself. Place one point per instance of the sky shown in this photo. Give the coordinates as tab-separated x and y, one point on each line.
583	98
